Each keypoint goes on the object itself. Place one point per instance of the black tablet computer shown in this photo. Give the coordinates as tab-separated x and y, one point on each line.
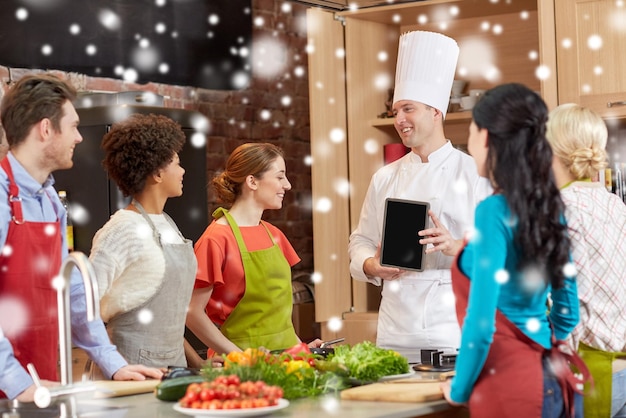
400	245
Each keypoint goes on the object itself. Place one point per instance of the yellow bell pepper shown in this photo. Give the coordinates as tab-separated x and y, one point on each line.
296	366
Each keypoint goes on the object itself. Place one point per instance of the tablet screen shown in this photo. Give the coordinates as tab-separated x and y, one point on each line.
400	245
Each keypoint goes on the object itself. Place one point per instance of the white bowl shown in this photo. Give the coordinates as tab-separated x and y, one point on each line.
477	92
468	102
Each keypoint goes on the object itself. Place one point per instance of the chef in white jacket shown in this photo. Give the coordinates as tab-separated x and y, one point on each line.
417	309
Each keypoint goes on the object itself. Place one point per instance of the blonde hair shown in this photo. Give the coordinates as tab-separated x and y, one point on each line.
578	138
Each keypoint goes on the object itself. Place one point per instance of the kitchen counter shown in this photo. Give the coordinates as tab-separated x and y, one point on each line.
146	405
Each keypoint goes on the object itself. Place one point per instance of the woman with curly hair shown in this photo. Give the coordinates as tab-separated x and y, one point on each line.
144	266
243	296
596	220
516	261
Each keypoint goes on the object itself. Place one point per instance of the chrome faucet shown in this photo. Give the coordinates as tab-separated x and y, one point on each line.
44	396
62	284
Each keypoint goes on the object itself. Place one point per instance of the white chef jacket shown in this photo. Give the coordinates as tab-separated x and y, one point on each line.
417	310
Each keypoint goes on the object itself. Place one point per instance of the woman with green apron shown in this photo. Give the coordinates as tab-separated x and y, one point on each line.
596	221
243	296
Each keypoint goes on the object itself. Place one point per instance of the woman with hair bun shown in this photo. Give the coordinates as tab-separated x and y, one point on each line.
596	220
243	296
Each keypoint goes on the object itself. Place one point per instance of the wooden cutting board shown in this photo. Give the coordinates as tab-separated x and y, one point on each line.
113	388
392	392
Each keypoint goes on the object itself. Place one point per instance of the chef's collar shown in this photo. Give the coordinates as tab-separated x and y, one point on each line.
437	156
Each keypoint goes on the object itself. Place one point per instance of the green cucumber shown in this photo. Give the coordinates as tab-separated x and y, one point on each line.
174	389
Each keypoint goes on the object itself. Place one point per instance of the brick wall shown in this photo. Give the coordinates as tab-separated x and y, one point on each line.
236	116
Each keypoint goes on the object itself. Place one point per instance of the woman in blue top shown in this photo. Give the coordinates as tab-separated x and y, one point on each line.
517	259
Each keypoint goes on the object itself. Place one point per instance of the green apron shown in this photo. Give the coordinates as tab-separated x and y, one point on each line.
597	404
263	315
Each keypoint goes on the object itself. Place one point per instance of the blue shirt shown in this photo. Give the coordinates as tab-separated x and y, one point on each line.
490	262
90	336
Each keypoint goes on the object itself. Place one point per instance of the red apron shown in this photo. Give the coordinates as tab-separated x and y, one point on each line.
511	381
26	273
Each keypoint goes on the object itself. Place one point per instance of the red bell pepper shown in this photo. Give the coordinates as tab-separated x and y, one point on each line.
300	351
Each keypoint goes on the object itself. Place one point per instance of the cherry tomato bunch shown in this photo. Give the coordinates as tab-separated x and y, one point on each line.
229	392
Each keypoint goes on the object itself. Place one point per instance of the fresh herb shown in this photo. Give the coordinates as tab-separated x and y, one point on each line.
368	363
297	378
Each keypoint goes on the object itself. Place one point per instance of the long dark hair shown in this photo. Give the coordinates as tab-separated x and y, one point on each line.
519	163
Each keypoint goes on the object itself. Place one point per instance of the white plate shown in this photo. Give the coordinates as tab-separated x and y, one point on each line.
248	412
397	376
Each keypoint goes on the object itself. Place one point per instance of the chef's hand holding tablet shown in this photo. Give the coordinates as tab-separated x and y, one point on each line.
372	267
439	238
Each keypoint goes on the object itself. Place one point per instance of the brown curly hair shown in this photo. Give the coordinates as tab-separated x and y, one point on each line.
138	147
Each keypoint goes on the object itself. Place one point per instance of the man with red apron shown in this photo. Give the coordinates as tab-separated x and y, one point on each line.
41	126
30	283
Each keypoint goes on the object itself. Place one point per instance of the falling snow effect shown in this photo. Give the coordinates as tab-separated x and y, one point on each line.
182	42
151	45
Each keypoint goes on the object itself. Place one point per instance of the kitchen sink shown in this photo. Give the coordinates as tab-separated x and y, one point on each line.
86	409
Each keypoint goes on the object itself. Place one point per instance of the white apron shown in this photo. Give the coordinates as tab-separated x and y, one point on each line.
417	310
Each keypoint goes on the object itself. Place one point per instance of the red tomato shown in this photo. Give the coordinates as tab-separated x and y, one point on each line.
298	350
260	402
194	387
190	397
228	404
207	394
215	404
233	379
273	392
221	380
247	403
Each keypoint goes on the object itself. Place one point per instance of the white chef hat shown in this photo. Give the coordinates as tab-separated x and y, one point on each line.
425	68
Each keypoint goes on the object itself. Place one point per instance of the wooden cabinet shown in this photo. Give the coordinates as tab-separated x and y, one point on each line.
352	58
79	362
591	54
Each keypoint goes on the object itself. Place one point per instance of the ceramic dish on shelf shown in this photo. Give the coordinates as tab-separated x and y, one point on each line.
219	413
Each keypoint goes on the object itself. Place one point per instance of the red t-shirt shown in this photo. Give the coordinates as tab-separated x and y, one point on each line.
220	265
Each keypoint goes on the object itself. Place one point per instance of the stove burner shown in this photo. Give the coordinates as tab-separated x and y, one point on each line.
435	361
